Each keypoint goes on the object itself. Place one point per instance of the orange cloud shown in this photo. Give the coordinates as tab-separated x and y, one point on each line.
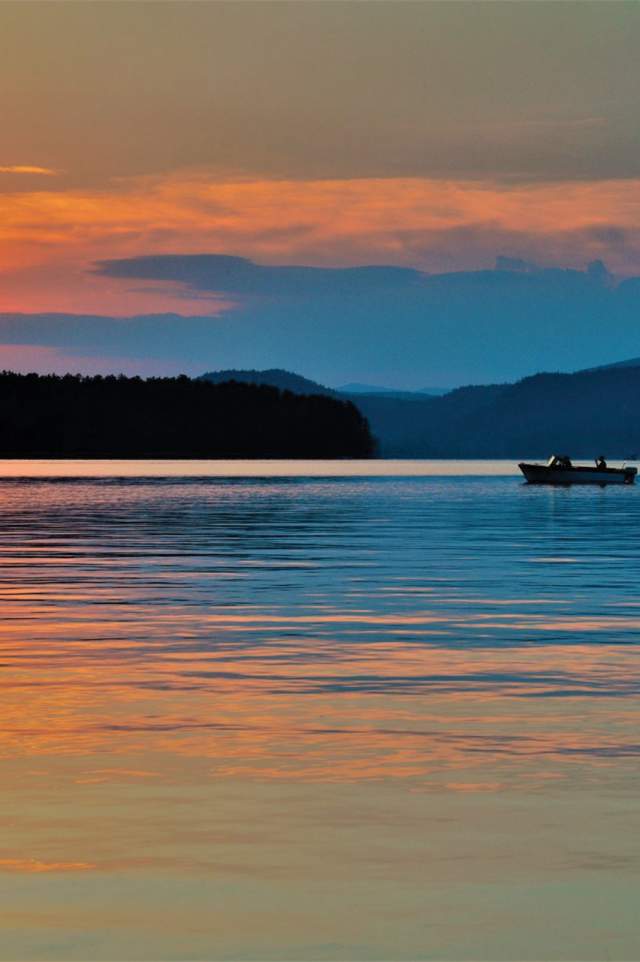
28	169
49	238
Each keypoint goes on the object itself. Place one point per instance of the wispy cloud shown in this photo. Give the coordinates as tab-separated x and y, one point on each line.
28	169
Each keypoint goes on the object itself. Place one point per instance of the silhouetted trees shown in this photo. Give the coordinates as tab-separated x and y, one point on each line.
274	376
74	416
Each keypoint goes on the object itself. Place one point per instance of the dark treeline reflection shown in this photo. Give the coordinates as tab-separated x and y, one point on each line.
121	417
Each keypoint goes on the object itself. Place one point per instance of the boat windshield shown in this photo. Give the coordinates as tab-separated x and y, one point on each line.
559	461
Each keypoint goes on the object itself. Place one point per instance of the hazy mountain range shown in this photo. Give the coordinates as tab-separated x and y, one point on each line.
288	381
356	388
583	414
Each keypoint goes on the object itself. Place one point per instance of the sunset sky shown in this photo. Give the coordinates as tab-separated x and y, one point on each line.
434	137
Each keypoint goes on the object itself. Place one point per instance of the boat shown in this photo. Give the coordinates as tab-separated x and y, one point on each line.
559	469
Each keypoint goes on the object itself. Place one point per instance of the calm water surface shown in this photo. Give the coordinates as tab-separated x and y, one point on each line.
307	713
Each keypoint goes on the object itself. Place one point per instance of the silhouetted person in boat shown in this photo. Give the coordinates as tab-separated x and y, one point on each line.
559	461
601	464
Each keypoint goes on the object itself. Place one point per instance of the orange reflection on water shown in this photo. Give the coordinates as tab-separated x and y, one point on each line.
228	708
34	866
324	711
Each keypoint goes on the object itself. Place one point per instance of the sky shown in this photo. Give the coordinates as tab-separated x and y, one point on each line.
163	165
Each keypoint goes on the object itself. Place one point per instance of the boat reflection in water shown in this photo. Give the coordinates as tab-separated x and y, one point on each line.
560	470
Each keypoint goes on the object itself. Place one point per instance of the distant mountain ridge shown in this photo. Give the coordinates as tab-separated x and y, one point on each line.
357	388
632	362
582	414
273	377
289	381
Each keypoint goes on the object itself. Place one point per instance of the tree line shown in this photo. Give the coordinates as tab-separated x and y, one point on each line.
73	416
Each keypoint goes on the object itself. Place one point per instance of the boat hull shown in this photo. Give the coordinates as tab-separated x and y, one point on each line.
542	474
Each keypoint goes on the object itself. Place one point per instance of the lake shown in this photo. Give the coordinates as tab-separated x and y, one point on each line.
317	711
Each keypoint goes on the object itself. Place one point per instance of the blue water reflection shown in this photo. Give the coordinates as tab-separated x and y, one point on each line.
192	645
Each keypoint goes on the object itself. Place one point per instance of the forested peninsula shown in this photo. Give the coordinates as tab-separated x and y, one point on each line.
130	417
